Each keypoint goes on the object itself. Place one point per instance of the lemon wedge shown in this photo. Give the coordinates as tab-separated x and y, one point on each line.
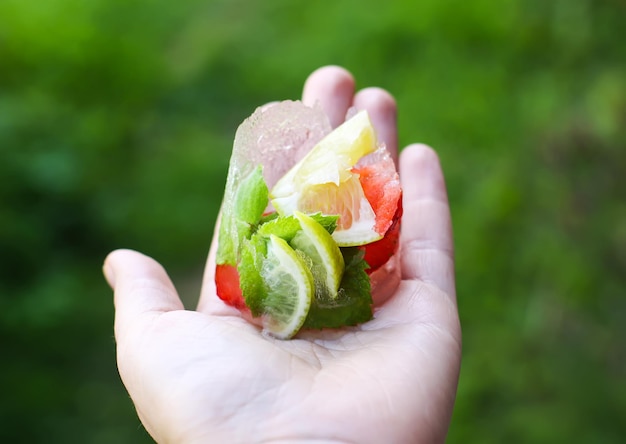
324	181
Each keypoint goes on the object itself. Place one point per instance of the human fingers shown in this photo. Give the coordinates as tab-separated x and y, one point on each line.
333	88
427	251
382	109
142	289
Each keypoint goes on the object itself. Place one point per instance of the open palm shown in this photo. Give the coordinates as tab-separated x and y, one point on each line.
210	376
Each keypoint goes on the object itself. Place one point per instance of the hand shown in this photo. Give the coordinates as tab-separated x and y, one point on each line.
209	376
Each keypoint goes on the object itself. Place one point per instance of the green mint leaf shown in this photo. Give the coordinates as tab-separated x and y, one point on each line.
252	255
328	222
226	248
251	198
353	304
240	216
284	227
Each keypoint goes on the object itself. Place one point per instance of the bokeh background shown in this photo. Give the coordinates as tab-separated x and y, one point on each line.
116	123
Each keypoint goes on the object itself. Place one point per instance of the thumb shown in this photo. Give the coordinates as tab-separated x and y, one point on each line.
142	288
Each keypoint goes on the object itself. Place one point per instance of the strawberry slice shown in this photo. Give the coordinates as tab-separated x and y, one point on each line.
378	253
227	283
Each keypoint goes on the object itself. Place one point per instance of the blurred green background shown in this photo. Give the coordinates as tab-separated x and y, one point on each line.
116	123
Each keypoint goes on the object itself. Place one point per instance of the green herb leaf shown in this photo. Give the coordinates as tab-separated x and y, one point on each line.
328	222
353	304
286	227
240	217
253	253
251	198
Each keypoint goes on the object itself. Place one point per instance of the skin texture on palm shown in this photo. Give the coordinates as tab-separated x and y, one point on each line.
210	376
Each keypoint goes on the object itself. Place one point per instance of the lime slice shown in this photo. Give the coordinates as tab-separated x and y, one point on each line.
290	287
324	181
327	261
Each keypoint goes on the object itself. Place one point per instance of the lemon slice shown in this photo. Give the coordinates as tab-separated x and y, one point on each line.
327	263
324	181
290	289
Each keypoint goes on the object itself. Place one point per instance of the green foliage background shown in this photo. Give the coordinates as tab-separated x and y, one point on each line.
116	123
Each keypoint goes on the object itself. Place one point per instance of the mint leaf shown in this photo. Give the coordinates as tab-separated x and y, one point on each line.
286	227
353	304
328	222
251	198
253	253
240	216
226	248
